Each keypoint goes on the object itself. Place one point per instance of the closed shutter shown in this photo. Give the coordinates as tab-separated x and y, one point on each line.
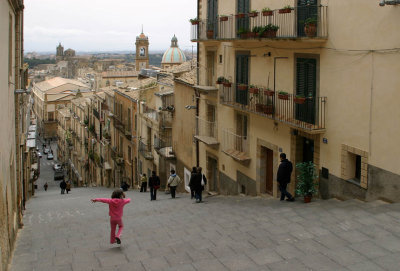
306	81
212	16
242	77
305	9
243	6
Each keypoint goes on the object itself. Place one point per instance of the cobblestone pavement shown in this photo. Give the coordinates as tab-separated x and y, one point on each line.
68	232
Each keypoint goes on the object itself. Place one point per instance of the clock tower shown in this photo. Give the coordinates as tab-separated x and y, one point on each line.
142	52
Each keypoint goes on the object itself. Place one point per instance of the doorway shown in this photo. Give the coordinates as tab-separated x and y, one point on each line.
308	150
212	170
267	166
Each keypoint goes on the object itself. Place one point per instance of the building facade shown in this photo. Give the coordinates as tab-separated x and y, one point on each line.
292	87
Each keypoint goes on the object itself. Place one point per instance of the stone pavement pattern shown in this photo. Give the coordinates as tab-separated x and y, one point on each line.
68	232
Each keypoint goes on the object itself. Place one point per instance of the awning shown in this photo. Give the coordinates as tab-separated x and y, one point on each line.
107	166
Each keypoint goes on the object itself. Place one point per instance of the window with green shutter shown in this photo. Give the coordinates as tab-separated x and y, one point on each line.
305	9
243	6
242	77
306	85
212	16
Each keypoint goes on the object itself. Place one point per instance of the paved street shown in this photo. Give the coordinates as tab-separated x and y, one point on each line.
68	232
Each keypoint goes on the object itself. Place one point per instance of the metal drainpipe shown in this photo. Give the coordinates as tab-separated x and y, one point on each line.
197	81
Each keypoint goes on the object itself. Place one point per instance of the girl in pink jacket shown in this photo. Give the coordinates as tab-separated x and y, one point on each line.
116	210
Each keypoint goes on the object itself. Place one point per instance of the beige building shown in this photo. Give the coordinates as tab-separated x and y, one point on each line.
15	126
339	103
64	135
116	78
50	95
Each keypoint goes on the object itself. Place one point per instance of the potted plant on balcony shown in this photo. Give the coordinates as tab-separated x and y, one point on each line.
268	109
270	31
210	32
306	180
256	31
267	12
226	83
242	86
243	33
283	95
269	92
253	89
310	27
286	9
194	21
223	18
240	15
220	80
253	13
299	99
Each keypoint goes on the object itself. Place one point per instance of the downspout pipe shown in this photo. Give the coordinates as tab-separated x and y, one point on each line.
196	91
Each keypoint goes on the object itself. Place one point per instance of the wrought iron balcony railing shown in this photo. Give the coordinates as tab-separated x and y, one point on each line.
145	150
236	146
305	113
206	131
291	25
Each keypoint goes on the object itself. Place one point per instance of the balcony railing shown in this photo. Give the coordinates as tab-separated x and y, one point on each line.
164	147
206	131
236	146
150	113
145	150
306	114
291	25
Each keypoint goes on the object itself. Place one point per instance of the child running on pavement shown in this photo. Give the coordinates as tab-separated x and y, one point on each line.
116	208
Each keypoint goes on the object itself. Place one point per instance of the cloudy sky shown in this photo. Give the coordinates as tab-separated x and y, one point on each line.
104	25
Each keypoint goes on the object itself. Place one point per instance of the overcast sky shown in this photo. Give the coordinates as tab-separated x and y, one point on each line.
104	25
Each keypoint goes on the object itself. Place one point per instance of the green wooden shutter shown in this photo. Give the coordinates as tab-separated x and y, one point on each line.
212	16
243	6
306	84
305	9
242	77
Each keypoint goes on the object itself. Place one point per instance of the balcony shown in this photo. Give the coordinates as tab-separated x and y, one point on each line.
236	146
306	114
206	132
166	120
145	150
291	25
117	156
150	113
164	148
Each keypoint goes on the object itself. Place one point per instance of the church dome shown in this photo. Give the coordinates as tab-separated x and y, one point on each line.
174	54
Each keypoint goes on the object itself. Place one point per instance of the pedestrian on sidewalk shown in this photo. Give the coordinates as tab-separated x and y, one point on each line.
143	180
173	182
125	186
203	182
116	210
191	182
45	186
63	186
284	172
68	186
154	184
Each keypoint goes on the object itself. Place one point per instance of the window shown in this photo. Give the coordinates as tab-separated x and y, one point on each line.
357	173
242	76
50	116
135	122
129	154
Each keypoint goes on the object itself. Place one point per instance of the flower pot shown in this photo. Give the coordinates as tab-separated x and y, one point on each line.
253	14
218	82
269	34
268	13
244	35
310	30
269	92
210	34
227	84
195	22
242	87
268	109
253	90
299	100
285	10
307	198
240	15
223	19
283	96
251	34
259	108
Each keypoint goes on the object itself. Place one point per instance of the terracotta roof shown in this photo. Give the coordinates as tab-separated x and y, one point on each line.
188	77
57	82
110	74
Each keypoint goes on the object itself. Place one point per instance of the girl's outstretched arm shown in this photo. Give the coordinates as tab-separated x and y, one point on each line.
101	200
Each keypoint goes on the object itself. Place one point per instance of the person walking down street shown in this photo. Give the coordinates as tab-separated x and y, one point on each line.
125	186
63	186
173	182
68	186
191	182
143	180
116	210
154	184
45	186
284	172
203	183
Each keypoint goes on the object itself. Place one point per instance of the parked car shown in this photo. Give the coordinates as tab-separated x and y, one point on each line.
39	154
57	166
50	156
58	174
46	150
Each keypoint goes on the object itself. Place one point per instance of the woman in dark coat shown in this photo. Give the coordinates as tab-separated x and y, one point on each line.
154	184
193	173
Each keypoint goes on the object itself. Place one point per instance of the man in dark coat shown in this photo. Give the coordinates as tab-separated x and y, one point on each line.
154	184
284	172
192	176
63	185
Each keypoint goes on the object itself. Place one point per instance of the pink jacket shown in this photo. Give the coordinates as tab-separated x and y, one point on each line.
116	206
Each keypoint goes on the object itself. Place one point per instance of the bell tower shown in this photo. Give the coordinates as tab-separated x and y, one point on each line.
142	52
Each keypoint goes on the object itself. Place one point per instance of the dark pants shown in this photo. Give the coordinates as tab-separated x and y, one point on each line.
282	188
173	190
143	188
153	193
199	194
192	193
62	190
